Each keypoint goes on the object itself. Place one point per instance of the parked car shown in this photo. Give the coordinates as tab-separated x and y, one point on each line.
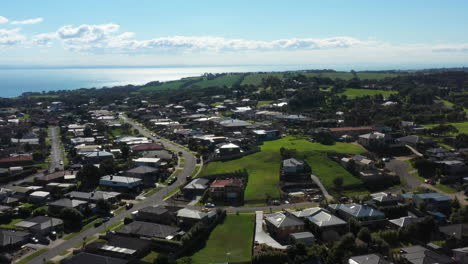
105	219
98	223
172	180
275	202
430	181
209	205
129	206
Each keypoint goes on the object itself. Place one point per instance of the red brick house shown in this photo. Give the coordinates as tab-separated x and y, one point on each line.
227	190
16	161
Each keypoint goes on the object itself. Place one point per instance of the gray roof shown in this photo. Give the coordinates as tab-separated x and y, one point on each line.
234	123
142	170
65	202
368	259
89	258
292	162
43	222
384	197
158	209
146	229
302	235
358	210
97	195
405	221
193	214
197	184
322	218
10	237
281	220
422	255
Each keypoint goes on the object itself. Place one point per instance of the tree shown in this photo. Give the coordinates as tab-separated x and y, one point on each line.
185	260
161	259
103	206
364	235
338	183
89	175
71	217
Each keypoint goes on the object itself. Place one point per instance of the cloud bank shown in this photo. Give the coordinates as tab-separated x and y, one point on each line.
31	21
11	37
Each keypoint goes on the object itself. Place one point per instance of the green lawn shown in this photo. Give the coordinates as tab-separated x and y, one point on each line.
11	224
264	166
151	257
260	103
230	241
462	126
353	93
168	85
31	256
117	132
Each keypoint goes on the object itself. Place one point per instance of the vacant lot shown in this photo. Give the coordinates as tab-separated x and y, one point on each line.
230	241
353	93
264	166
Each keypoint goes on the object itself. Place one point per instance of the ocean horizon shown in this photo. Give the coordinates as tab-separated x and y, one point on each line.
16	80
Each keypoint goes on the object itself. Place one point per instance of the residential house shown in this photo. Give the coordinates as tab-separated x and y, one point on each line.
362	213
433	201
374	140
39	197
121	247
263	135
282	224
403	221
57	206
413	140
188	217
156	214
293	166
234	124
385	199
22	160
148	230
459	231
351	131
227	190
419	254
196	187
368	259
149	162
325	225
95	196
147	147
97	157
452	167
122	183
41	224
13	239
228	149
148	174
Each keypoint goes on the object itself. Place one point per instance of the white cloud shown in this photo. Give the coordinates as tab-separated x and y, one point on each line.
44	39
31	21
451	48
11	36
3	20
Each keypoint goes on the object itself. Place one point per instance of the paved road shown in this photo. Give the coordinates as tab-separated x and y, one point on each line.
55	151
190	162
401	168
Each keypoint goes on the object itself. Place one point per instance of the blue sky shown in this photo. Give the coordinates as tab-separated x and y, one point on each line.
144	32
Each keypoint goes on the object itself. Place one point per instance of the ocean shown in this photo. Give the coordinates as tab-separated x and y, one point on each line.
15	81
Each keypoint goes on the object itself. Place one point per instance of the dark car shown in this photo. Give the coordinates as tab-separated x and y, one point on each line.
129	206
171	181
105	219
98	223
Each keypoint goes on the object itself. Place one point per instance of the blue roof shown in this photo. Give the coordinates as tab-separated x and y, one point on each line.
433	196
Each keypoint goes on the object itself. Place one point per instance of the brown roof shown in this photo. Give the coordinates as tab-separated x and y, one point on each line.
223	183
17	158
147	147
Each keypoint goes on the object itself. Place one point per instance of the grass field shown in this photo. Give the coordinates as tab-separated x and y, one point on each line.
256	78
375	75
230	241
12	223
264	166
353	93
225	80
168	85
117	132
331	75
260	103
462	126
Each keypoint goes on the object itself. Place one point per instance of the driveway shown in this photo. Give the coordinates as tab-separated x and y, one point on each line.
154	199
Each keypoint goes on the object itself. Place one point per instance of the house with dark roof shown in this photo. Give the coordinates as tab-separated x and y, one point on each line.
413	140
148	174
368	259
460	255
123	247
403	221
156	214
149	230
97	157
41	224
323	224
293	166
195	188
95	196
57	206
89	258
422	255
459	231
13	239
362	213
189	217
121	183
282	224
306	238
227	190
385	199
147	147
433	201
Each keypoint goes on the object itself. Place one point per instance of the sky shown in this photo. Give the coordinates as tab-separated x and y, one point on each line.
328	33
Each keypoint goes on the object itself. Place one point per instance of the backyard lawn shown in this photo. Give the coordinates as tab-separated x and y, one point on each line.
264	166
230	241
353	93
